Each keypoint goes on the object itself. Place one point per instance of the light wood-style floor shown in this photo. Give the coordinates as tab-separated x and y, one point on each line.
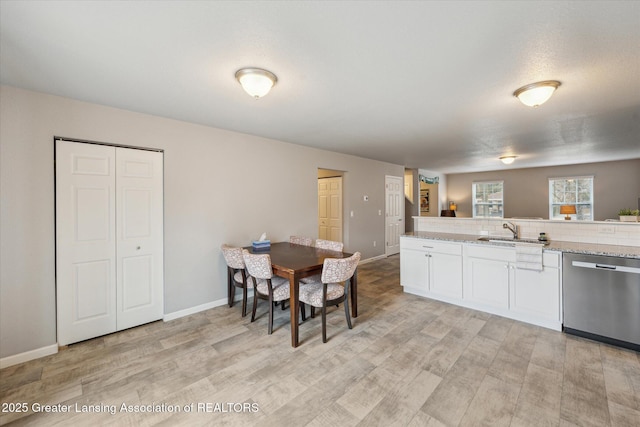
407	361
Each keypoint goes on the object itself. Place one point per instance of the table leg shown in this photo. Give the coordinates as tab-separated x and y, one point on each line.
354	294
294	306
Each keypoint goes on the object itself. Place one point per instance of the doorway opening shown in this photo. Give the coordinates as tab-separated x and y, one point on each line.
330	215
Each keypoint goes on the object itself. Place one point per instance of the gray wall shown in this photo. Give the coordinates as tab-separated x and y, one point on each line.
526	191
220	186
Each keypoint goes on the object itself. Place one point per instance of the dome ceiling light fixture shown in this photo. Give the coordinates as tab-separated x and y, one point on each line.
507	160
256	81
536	94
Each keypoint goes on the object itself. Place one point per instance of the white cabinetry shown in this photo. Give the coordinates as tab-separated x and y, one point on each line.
487	281
483	277
494	284
431	268
537	293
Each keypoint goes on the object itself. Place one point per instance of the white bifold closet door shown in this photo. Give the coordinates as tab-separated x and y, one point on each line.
109	239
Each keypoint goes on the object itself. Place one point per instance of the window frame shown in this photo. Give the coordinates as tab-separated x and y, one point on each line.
591	202
474	203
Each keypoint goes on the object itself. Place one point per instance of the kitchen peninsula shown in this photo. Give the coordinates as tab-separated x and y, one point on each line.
445	260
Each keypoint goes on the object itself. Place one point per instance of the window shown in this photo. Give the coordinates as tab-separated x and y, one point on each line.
573	190
488	199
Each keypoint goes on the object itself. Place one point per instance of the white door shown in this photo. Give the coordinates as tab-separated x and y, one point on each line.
330	209
85	241
139	237
109	252
394	195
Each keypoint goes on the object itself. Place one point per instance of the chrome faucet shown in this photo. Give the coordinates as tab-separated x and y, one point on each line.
513	228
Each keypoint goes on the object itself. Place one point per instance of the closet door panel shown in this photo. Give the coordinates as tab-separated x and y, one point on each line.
139	213
85	241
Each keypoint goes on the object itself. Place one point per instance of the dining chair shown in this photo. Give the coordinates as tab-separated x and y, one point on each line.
329	244
304	241
331	290
265	284
323	244
236	275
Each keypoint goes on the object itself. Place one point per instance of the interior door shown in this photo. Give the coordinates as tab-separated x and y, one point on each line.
330	209
394	213
85	241
139	220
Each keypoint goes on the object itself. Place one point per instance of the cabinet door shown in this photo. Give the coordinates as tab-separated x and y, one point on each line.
536	293
446	275
414	269
487	282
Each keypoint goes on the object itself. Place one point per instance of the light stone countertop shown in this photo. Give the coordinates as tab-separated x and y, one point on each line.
554	245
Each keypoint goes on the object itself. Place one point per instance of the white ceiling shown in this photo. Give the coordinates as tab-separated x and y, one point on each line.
423	84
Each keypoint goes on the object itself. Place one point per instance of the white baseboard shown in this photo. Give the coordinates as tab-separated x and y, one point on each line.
202	307
375	258
5	362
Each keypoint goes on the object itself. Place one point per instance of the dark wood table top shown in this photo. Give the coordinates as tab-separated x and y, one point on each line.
294	258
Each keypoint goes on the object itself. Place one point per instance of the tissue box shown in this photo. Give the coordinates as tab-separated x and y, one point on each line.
258	245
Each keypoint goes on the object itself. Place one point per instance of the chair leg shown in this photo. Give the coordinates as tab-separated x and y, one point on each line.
244	300
270	316
346	313
303	311
255	304
324	322
230	288
313	312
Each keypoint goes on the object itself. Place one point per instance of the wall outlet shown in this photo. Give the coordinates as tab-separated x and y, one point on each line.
606	229
379	212
351	214
374	243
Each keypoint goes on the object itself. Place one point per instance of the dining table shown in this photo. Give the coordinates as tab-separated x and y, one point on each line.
295	262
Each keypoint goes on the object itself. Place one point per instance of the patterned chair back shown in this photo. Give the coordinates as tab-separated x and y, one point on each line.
233	256
329	244
305	241
258	265
337	270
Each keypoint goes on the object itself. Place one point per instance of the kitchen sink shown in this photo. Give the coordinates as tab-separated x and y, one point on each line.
509	240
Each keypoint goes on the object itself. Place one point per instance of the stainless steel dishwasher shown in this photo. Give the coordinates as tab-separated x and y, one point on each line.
601	298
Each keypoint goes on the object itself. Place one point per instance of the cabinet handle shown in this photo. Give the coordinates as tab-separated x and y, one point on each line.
428	247
427	255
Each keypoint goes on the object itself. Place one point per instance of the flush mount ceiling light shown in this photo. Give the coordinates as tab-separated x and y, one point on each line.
256	81
507	160
536	94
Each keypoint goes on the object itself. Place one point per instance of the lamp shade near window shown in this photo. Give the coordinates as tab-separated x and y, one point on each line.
568	210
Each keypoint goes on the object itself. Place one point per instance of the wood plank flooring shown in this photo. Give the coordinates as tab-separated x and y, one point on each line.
408	361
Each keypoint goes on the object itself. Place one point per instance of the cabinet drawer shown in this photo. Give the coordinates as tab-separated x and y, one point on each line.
431	245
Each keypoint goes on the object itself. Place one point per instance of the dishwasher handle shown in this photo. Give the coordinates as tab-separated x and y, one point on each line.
607	267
